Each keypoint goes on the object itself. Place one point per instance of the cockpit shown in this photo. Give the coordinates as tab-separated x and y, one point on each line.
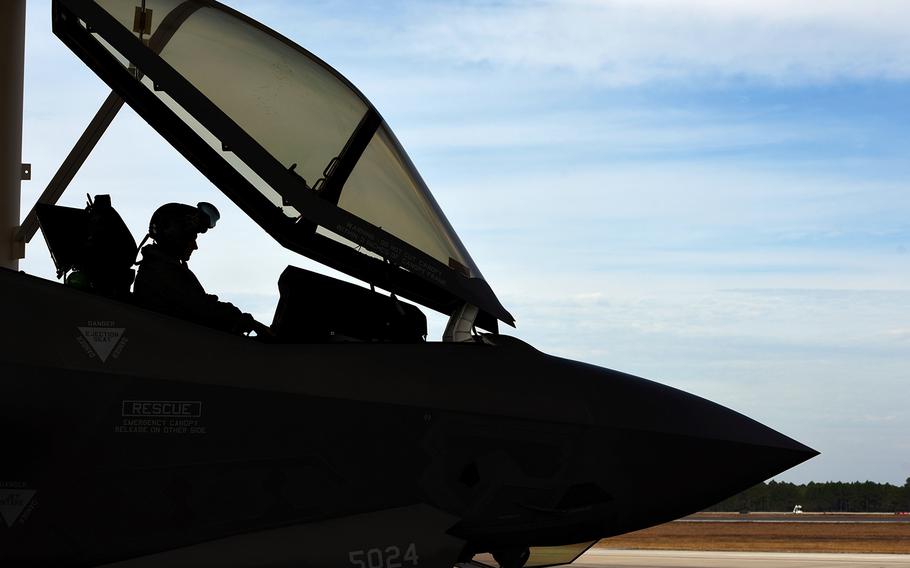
295	146
94	251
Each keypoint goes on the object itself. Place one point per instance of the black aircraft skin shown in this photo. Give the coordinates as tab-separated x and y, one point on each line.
135	439
317	454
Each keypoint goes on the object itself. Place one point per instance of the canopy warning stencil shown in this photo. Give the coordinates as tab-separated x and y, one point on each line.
13	502
101	339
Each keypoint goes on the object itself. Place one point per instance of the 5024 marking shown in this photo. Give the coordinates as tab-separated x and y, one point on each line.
389	557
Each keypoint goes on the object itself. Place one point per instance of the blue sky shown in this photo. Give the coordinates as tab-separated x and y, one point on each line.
707	193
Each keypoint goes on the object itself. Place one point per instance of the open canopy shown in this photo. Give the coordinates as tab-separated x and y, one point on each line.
283	135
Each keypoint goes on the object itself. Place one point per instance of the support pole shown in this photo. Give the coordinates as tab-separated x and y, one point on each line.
74	160
12	70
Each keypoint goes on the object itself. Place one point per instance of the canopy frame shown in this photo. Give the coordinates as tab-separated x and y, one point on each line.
404	269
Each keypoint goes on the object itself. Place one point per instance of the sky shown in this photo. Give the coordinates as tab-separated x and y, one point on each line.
710	194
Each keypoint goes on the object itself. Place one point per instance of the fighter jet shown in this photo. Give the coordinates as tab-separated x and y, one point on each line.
133	438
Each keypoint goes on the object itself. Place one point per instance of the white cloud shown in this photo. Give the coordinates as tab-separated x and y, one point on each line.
618	131
628	42
898	334
754	198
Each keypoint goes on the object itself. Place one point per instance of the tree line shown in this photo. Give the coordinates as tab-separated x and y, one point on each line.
830	496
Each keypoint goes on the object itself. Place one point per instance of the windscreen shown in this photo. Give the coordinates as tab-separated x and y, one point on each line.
299	110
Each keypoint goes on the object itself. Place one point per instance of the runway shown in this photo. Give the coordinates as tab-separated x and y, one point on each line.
887	521
815	518
600	558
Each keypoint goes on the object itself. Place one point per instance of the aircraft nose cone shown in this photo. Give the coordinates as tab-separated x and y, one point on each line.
626	401
725	452
681	452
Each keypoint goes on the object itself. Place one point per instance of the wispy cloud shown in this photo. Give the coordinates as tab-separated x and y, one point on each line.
613	132
626	42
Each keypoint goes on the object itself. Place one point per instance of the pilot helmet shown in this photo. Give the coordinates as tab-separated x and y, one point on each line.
175	223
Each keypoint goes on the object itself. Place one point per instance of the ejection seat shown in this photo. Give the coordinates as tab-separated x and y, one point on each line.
92	248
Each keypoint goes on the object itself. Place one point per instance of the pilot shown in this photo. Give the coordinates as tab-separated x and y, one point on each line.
166	284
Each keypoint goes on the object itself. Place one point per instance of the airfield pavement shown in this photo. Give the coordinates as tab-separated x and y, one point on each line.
603	558
761	540
762	532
